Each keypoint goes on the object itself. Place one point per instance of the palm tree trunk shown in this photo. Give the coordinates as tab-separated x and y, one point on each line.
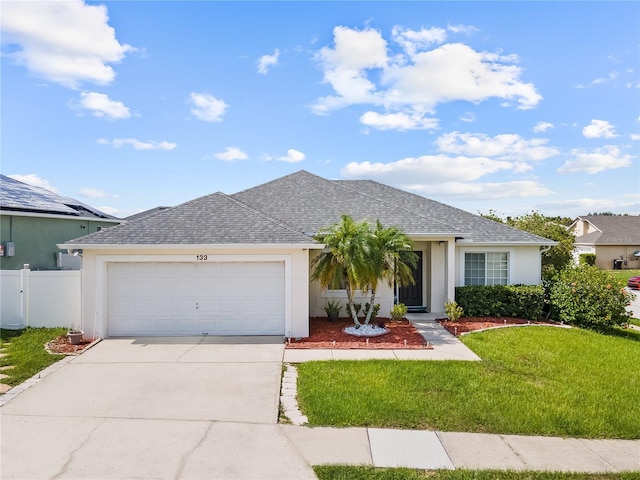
350	308
367	318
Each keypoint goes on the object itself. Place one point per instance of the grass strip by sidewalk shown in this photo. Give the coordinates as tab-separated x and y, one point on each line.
532	381
332	472
25	352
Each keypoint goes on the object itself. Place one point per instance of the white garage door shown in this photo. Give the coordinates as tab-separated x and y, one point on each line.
234	298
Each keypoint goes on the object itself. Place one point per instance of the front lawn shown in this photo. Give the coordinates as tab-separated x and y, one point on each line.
625	275
25	352
532	381
330	472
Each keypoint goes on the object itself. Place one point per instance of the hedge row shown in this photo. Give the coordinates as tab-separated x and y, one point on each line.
521	301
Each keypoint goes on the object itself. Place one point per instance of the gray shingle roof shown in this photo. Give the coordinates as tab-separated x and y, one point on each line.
320	202
484	230
307	203
17	196
616	230
291	209
209	220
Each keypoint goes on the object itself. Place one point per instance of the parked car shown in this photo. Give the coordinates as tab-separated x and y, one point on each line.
634	283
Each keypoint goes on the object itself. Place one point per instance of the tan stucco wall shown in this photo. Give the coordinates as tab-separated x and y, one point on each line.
94	281
605	255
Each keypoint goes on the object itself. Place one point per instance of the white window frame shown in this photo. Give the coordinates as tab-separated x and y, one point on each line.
486	271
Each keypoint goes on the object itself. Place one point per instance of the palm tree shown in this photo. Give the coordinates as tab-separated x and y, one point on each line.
345	259
392	252
357	258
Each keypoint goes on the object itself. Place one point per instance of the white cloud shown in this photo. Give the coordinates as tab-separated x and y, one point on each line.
608	157
582	206
466	29
635	136
427	169
231	154
468	117
599	129
267	61
504	146
102	106
292	156
479	191
207	107
398	121
413	41
92	193
66	42
137	144
110	210
34	180
362	69
543	127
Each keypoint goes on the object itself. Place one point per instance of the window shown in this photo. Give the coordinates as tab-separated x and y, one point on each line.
489	268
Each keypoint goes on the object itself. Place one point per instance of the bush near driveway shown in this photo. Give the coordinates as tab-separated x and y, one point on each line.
532	381
25	352
589	297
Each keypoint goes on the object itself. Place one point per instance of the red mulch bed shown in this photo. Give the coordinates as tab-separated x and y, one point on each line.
325	334
61	345
471	324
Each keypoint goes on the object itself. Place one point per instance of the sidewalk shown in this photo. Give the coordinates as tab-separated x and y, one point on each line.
427	450
423	449
445	346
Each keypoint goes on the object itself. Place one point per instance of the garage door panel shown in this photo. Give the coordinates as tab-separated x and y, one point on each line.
216	298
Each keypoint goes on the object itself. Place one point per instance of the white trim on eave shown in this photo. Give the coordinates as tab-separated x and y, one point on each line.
207	246
550	243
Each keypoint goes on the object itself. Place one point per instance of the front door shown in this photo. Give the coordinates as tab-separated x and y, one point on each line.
411	296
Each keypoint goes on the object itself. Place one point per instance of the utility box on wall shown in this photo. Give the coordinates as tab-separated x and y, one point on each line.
8	249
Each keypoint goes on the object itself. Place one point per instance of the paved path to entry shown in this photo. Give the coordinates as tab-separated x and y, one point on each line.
155	408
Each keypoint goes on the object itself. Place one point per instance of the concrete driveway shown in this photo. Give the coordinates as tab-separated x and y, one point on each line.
155	408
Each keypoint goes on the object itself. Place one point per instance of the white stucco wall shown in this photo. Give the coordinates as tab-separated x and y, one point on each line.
525	265
95	264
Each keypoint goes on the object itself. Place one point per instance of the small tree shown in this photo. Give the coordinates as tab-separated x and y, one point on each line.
345	259
589	297
358	257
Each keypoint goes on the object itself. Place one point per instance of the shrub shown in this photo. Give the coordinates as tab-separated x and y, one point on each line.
376	309
589	297
587	259
453	311
398	311
520	301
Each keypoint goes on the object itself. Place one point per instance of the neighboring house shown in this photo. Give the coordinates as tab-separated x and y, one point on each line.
611	238
240	264
34	220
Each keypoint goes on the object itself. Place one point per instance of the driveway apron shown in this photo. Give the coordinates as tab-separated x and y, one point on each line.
193	407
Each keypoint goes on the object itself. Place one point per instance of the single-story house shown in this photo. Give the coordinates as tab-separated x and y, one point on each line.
614	239
34	220
240	264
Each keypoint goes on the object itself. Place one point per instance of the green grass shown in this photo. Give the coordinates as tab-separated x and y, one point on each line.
635	321
331	472
25	351
532	381
625	275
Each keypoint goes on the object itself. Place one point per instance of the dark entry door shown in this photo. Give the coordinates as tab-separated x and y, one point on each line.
411	296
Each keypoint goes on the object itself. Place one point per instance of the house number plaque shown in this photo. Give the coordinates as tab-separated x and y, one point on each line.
201	257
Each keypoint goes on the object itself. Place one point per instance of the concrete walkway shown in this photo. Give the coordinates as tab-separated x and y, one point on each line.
207	408
445	346
450	450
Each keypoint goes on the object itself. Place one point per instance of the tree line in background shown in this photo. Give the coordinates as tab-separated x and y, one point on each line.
582	294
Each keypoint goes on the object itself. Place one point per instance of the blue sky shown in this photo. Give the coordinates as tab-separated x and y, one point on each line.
504	106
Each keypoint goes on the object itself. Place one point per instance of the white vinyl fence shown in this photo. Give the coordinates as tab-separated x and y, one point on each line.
39	298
